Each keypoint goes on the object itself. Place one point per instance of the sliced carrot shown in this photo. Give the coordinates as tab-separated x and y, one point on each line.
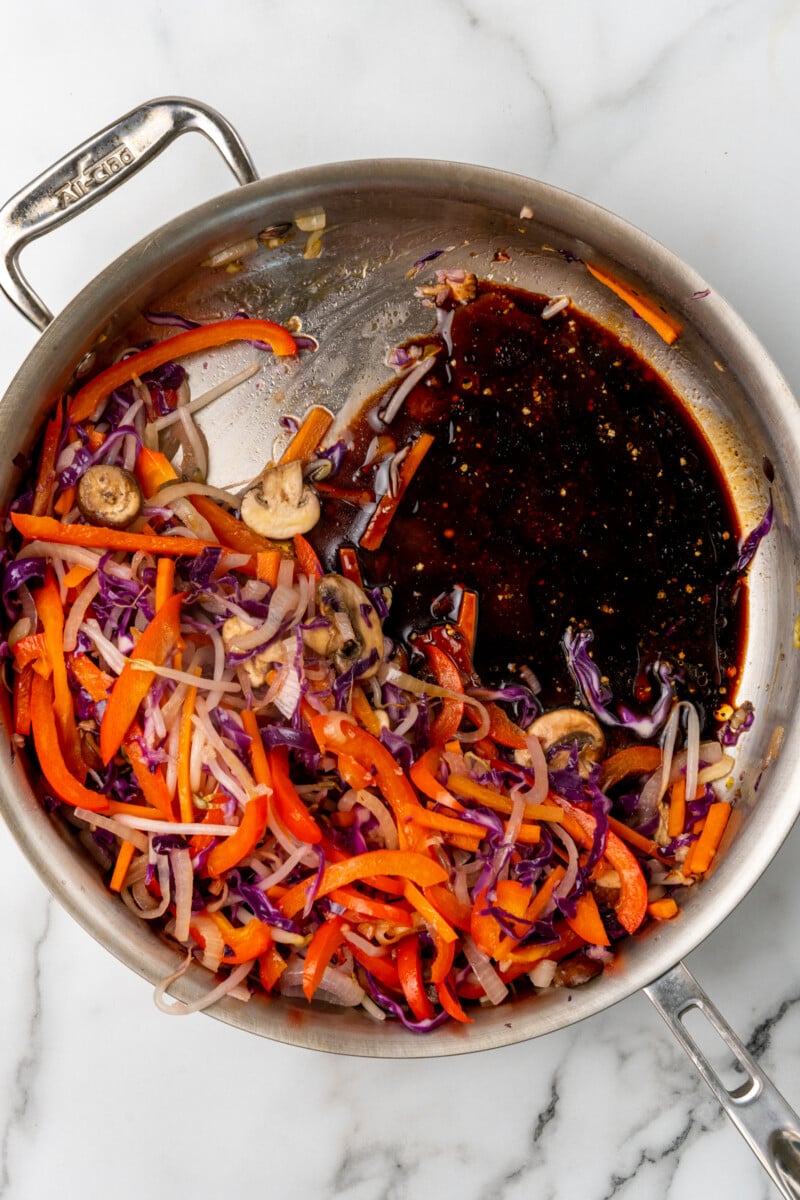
387	506
467	621
305	442
429	912
267	565
232	532
363	711
185	798
655	316
423	776
77	575
48	529
706	846
664	909
23	685
165	580
271	965
633	838
66	501
470	789
124	857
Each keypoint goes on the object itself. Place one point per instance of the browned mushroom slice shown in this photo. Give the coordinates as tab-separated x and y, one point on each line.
352	630
109	496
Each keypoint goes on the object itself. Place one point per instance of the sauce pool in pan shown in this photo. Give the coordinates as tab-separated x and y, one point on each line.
566	484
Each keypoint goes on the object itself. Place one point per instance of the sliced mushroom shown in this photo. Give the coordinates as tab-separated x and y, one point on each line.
352	629
281	504
564	728
257	666
109	496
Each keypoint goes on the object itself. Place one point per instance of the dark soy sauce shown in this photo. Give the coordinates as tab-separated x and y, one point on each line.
567	485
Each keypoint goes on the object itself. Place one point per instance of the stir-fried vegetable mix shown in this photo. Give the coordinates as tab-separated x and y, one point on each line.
294	797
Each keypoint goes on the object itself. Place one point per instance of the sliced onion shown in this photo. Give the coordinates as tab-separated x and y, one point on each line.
214	943
335	988
78	611
538	793
496	991
566	885
177	1008
131	821
177	491
374	805
116	827
543	973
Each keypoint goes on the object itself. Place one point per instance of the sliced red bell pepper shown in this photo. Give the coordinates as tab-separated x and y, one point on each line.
155	645
307	557
443	959
379	965
32	649
487	933
271	966
48	750
232	850
448	676
587	922
232	532
246	942
336	732
449	1002
409	970
288	803
631	907
100	537
23	683
323	945
406	864
218	333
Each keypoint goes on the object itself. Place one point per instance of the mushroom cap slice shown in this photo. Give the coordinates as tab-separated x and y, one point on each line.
109	495
352	629
281	504
568	727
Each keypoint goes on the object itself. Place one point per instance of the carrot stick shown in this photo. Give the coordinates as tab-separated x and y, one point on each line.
124	857
429	913
633	760
470	789
467	623
663	910
77	575
185	800
49	530
633	838
364	712
707	844
307	556
387	506
316	424
267	565
165	580
665	326
45	483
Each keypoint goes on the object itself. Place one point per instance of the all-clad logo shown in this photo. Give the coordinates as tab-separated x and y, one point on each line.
94	175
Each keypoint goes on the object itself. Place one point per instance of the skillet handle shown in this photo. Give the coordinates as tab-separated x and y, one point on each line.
98	165
756	1107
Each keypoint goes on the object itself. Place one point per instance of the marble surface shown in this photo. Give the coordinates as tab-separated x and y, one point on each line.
683	119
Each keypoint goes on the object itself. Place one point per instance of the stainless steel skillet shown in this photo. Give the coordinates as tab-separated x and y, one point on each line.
380	217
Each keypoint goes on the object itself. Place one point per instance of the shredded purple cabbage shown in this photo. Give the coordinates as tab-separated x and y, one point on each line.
21	571
753	541
597	696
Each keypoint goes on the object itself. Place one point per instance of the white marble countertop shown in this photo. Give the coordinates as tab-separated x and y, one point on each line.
683	119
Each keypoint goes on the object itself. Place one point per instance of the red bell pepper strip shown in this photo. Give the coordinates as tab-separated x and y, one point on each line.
156	644
218	333
291	809
406	864
587	922
423	776
246	941
303	445
448	676
51	760
503	730
336	732
94	681
46	479
307	556
232	850
48	529
387	506
367	907
467	620
487	933
349	565
326	941
51	615
447	998
152	783
153	470
409	969
271	966
32	649
443	959
379	965
232	532
23	683
631	907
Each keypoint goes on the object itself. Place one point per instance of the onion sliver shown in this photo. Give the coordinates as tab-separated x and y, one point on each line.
496	991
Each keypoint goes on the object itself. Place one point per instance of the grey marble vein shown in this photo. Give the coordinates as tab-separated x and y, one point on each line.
28	1061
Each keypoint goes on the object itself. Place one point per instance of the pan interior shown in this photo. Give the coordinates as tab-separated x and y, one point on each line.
356	297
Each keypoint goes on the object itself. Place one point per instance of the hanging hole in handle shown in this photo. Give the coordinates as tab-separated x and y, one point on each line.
718	1053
